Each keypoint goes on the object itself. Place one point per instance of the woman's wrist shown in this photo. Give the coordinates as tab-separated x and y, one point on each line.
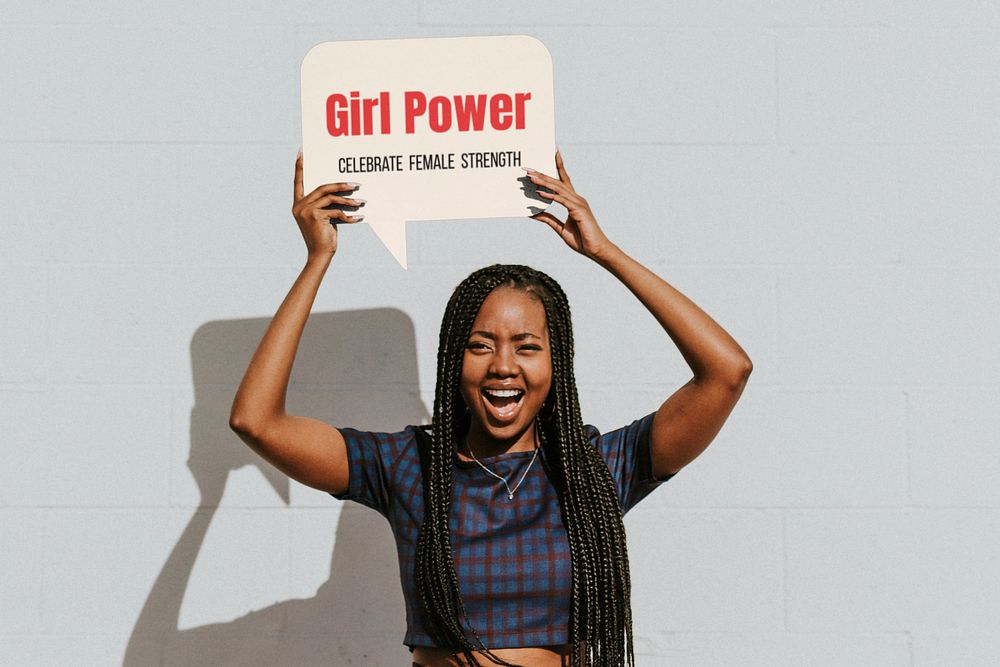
607	255
319	259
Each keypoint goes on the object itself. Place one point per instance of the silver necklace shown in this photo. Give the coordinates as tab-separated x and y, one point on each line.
510	491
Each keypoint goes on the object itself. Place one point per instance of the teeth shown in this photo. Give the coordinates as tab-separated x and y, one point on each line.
503	393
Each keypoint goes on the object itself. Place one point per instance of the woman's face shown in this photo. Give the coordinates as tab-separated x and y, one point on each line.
506	368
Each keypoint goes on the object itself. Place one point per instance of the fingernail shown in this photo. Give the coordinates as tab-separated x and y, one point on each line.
358	217
299	154
529	170
359	199
355	185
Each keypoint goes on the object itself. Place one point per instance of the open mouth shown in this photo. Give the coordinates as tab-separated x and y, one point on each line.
505	402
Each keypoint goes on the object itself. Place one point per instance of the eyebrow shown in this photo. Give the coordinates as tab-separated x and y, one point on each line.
520	336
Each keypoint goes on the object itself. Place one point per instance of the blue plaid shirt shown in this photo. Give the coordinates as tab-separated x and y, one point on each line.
512	557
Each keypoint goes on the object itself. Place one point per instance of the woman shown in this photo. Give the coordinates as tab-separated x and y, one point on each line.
501	560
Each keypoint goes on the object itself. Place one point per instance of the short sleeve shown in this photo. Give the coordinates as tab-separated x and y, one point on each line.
369	456
627	452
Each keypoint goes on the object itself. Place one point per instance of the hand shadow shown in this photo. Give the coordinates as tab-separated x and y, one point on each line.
530	191
357	616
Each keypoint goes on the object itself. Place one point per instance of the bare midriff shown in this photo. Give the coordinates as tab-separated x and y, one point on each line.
533	656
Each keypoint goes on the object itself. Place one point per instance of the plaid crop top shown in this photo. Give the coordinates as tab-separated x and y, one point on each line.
512	557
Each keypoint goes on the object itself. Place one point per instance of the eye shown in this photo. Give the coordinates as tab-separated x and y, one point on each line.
476	345
531	348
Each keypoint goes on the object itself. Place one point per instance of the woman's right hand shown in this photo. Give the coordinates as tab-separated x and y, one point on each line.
317	223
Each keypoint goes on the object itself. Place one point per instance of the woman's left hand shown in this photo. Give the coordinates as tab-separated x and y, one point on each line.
580	231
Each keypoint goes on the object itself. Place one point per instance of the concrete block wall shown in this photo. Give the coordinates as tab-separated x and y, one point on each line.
822	178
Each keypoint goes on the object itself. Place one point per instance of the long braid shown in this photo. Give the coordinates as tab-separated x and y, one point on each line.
600	611
597	507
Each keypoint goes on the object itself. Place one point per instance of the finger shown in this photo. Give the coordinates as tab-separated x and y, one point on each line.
561	169
552	221
327	200
337	216
297	189
562	199
328	189
538	178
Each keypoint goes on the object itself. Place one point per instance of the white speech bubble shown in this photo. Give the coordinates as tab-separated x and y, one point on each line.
433	129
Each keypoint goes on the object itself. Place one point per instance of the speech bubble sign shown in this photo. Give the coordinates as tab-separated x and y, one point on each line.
433	129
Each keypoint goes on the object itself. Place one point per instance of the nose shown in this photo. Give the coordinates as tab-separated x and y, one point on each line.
503	364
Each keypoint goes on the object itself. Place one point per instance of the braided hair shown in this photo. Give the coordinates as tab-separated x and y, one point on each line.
600	613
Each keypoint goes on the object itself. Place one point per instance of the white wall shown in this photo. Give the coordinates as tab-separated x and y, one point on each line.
820	177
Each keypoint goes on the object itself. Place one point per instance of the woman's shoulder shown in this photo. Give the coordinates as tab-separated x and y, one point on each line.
634	435
636	429
391	443
407	432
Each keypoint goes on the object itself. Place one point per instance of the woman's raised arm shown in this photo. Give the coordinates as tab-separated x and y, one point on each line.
307	450
689	419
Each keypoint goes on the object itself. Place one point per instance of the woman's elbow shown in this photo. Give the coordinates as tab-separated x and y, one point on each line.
243	424
738	373
239	425
247	418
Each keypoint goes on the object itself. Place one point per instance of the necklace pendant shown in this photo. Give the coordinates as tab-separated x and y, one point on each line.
510	491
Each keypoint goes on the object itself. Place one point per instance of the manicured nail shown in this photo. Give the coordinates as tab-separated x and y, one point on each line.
359	199
355	185
529	170
357	217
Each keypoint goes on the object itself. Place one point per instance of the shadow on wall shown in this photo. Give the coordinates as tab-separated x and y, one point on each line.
354	368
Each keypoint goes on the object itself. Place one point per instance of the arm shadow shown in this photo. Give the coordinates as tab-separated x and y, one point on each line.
354	368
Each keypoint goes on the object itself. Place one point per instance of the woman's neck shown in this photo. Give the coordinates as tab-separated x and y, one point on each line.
483	446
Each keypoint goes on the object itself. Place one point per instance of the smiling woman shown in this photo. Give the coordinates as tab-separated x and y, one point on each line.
506	372
500	559
505	393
